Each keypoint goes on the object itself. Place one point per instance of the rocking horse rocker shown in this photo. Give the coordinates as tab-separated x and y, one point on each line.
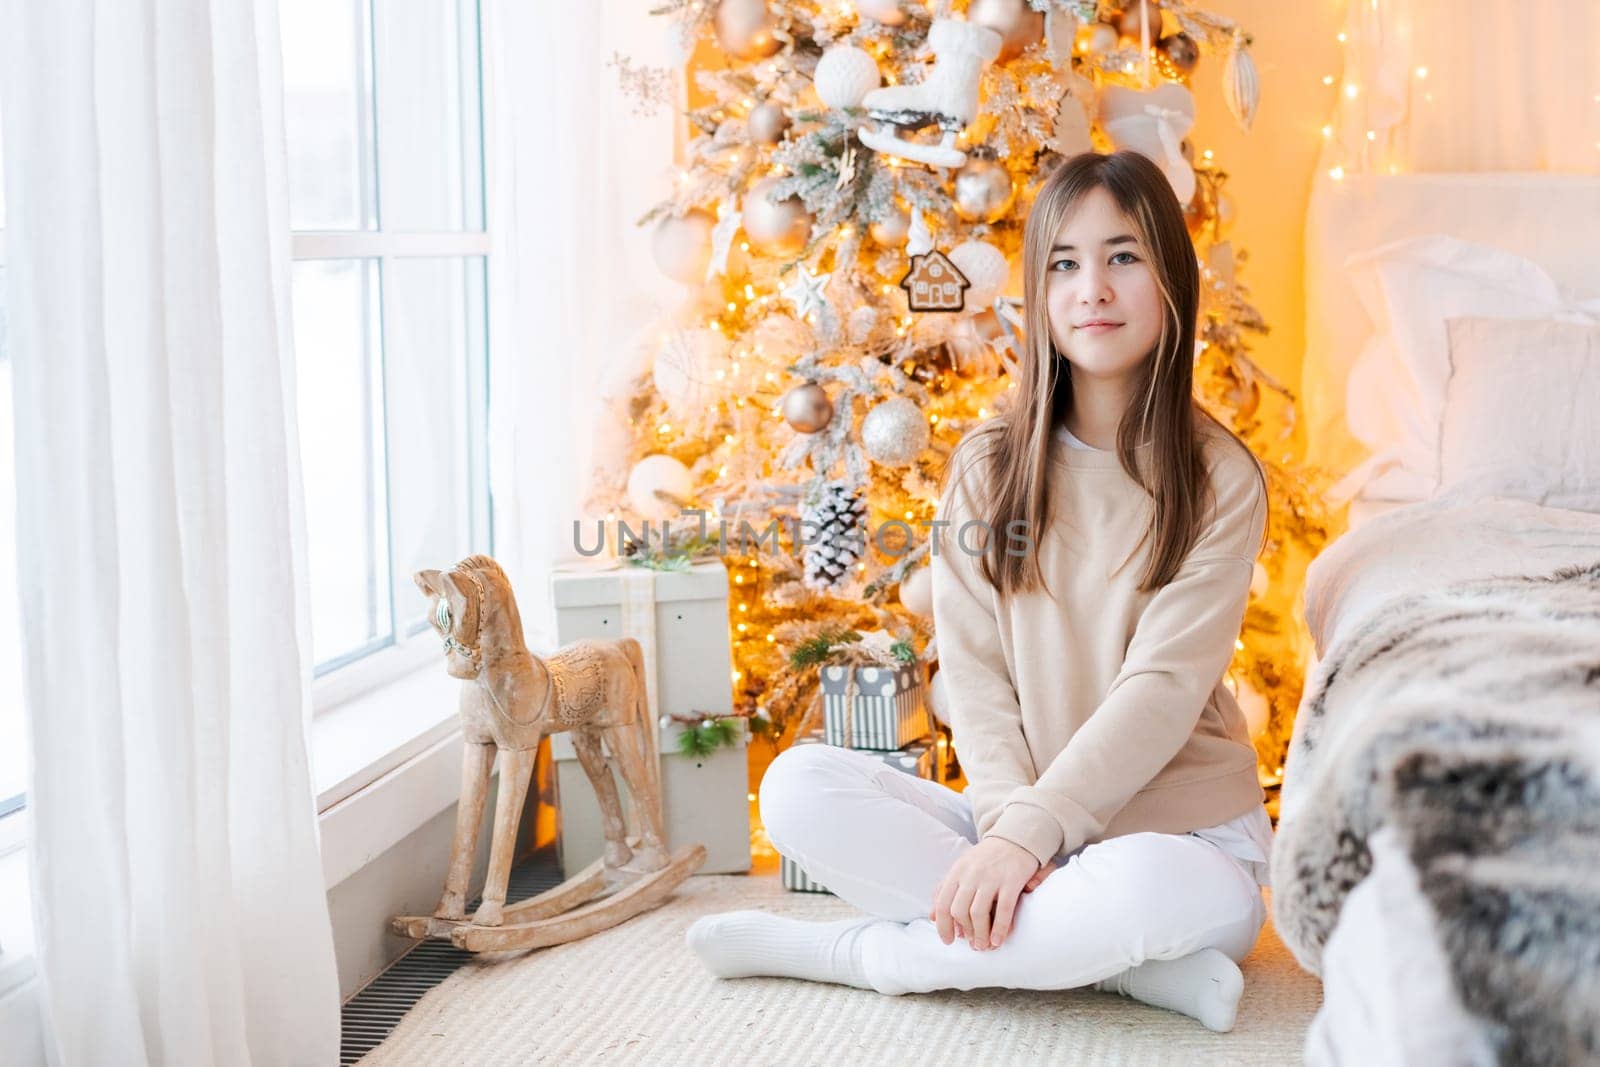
510	699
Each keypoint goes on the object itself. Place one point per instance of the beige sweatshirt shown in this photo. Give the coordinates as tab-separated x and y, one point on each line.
1101	712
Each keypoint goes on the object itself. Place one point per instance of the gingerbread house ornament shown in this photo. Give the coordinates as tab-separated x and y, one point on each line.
934	284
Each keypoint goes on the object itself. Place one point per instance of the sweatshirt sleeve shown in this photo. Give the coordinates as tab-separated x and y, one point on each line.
985	714
1181	646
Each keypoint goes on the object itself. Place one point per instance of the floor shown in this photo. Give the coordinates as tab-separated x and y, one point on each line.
634	994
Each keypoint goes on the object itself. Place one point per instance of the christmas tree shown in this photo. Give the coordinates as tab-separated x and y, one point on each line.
848	225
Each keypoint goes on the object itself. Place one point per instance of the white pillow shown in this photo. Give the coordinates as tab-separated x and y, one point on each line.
1395	392
1520	414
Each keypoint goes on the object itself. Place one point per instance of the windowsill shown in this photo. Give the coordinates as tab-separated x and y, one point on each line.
357	742
16	941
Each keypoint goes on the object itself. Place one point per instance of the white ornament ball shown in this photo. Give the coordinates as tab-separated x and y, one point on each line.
939	700
885	12
659	472
845	74
891	232
986	267
916	592
685	369
895	432
682	246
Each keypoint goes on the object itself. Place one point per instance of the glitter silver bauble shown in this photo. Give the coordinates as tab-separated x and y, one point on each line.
986	270
806	408
775	229
744	29
895	432
983	191
767	123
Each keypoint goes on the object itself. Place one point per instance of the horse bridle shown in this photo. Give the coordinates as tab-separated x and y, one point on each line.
442	617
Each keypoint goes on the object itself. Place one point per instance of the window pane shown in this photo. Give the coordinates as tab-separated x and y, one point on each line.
327	105
433	349
336	306
13	736
429	128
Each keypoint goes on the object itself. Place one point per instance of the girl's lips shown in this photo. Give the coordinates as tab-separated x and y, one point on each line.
1100	327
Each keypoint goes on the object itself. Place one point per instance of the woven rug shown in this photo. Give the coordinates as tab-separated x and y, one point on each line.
635	994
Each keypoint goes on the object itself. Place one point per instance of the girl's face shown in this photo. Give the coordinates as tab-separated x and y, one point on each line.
1098	271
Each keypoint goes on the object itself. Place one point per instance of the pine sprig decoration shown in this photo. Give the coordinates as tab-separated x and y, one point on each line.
815	651
699	740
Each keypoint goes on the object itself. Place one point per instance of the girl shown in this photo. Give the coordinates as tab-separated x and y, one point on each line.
1112	832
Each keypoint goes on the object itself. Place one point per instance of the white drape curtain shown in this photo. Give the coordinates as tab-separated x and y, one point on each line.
161	549
1447	85
573	291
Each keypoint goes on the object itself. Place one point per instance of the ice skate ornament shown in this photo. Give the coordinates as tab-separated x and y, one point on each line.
1153	123
947	95
510	700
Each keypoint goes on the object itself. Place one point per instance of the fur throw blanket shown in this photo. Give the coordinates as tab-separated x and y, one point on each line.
1466	720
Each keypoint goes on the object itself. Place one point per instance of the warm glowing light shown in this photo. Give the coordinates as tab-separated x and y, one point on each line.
983	413
744	246
745	607
1207	153
664	428
1340	37
1351	91
732	306
771	638
1422	72
933	418
736	673
749	292
1371	135
1337	174
729	438
1327	131
1327	79
1238	644
738	579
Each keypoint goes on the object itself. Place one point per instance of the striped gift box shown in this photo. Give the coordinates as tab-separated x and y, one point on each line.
889	710
797	879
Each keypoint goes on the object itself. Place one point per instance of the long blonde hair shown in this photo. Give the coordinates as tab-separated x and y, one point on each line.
1016	443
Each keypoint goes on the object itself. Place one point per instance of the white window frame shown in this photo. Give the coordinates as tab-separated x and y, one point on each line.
388	659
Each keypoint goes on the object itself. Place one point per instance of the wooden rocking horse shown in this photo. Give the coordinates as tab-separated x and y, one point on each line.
510	699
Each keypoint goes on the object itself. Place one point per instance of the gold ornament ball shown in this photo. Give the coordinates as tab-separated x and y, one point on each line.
1017	24
806	408
775	228
744	29
885	12
983	191
890	232
1130	23
1181	52
767	123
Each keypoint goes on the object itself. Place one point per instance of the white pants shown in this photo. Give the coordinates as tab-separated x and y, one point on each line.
883	840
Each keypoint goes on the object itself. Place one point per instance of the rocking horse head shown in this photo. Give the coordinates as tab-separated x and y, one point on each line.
474	612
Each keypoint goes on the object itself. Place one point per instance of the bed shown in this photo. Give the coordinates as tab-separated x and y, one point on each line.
1437	859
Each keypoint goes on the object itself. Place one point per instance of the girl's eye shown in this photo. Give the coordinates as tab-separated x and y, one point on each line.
1131	259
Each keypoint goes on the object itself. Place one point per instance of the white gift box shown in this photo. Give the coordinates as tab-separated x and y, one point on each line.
680	619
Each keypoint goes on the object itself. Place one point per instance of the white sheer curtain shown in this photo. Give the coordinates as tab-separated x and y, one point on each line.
1443	85
161	550
572	285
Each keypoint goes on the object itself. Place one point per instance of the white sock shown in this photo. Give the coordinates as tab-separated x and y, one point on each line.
739	944
1205	985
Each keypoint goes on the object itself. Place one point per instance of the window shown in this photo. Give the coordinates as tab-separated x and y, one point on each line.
382	106
13	730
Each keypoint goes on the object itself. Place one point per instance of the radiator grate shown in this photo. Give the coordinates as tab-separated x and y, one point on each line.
373	1013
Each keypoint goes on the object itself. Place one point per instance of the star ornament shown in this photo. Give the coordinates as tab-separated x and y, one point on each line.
805	292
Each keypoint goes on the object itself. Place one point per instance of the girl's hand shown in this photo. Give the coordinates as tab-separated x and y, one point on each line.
1040	875
987	880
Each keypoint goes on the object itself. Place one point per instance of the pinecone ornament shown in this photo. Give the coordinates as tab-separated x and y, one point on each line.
834	523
